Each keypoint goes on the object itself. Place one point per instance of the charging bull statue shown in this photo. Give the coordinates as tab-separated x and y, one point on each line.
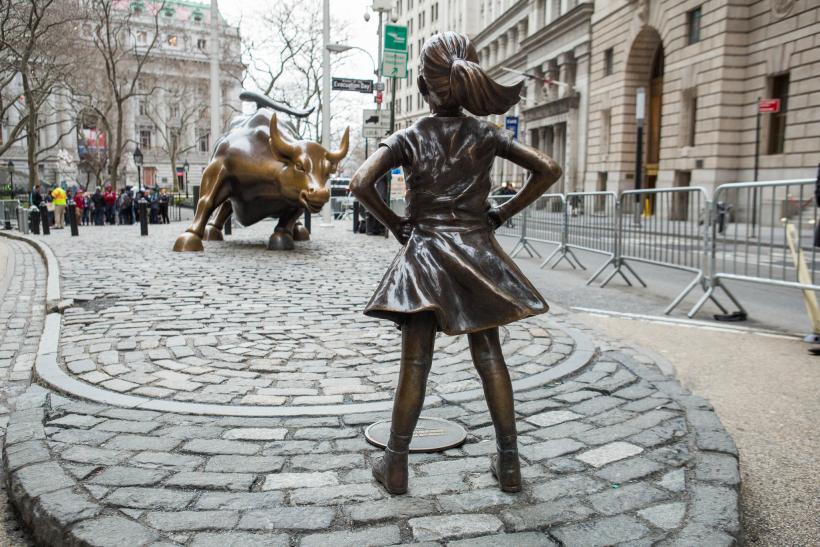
260	169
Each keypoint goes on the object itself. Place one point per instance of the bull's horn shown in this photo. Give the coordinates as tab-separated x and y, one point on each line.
338	155
277	143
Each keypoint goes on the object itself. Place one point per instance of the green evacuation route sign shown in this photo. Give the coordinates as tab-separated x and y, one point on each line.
394	58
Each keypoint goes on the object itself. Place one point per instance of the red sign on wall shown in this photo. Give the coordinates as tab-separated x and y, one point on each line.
769	106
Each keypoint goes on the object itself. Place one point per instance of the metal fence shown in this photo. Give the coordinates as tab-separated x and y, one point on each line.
738	235
10	214
748	239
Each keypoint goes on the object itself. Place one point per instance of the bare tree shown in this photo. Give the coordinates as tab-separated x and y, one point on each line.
35	59
287	63
176	111
124	48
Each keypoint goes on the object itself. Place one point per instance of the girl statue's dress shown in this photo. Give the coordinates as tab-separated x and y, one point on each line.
452	264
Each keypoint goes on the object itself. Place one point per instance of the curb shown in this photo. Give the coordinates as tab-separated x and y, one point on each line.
714	512
53	294
51	504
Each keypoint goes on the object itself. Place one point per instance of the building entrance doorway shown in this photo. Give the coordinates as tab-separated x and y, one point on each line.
645	69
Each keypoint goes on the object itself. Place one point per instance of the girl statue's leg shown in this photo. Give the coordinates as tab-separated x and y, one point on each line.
485	348
417	337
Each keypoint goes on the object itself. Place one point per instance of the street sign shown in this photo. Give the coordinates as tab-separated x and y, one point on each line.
394	56
394	64
375	124
352	84
511	123
769	106
395	37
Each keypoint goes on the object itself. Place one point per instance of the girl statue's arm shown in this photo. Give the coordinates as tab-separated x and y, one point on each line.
363	186
543	173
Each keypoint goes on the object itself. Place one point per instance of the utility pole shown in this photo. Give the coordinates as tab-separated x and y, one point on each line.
216	99
326	213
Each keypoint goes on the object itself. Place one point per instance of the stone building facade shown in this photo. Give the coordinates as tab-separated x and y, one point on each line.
702	65
179	61
549	39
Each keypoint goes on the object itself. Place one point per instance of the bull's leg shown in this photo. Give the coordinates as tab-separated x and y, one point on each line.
300	233
213	231
282	238
214	192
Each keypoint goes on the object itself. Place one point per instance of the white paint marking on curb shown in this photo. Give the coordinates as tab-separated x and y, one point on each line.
690	323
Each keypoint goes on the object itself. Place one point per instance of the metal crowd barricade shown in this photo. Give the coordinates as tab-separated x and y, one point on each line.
9	214
664	227
748	237
514	227
590	224
543	221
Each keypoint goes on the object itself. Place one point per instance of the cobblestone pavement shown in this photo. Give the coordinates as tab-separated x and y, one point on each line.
237	326
614	452
22	311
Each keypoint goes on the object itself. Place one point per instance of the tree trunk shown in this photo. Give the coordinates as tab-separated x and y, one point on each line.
31	134
116	157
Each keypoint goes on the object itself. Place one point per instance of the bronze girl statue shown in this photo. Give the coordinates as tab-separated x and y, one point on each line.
451	274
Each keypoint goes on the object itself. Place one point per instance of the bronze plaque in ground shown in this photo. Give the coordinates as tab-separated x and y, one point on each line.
431	435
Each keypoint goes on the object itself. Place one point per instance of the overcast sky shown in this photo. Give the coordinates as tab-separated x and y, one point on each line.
347	106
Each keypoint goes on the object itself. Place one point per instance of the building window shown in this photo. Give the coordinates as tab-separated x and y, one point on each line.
779	86
693	119
609	54
203	140
173	110
142	107
606	130
693	18
201	43
172	40
145	138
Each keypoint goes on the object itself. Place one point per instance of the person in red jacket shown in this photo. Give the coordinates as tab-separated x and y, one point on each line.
79	205
110	199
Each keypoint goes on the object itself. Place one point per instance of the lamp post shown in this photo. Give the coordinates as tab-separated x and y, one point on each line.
138	163
10	166
185	167
640	109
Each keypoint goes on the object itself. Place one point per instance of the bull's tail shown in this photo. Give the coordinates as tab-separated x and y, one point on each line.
263	101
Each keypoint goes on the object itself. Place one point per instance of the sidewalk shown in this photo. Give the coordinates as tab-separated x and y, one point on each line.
765	388
219	399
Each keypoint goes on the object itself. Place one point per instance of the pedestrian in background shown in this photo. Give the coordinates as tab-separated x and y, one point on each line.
99	207
59	197
163	206
110	199
79	206
36	197
86	209
127	207
154	204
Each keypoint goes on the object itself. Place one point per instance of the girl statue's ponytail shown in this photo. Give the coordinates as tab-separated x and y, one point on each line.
453	78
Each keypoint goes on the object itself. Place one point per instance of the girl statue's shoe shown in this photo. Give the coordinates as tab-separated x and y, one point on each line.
507	470
391	471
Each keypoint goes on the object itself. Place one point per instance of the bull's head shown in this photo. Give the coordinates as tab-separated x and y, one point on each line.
306	167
